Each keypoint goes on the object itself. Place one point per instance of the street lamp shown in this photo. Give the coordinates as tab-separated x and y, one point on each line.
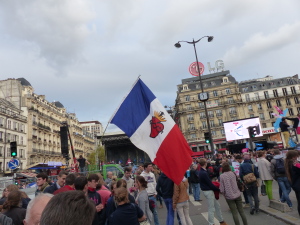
178	45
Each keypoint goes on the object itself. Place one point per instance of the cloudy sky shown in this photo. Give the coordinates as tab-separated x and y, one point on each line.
88	53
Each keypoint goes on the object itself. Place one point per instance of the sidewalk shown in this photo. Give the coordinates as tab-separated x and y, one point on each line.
288	217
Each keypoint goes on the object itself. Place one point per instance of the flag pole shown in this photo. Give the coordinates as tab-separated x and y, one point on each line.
123	100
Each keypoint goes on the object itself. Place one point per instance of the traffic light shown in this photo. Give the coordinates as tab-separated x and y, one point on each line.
254	130
206	137
13	149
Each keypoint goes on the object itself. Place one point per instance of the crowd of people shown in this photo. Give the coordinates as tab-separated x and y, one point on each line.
89	199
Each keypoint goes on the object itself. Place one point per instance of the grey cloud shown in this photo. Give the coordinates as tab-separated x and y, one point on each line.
56	29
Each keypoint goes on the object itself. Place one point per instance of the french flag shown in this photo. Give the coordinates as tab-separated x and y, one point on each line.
150	128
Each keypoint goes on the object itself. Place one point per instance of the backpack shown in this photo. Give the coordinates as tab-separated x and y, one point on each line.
280	166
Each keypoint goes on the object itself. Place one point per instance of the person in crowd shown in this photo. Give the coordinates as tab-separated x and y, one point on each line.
61	179
81	184
284	130
247	167
127	178
12	209
151	188
165	188
225	160
35	209
41	182
219	160
232	194
125	209
208	189
95	197
194	178
103	191
110	205
279	174
5	220
13	187
187	175
108	179
70	180
142	197
181	202
264	168
239	159
157	173
82	162
292	169
269	155
71	207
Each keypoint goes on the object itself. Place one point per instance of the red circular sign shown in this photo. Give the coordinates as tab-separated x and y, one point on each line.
193	69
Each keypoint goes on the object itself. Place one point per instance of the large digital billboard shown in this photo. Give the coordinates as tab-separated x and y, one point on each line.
235	130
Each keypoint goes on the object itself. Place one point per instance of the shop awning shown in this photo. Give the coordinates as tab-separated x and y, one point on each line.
195	154
222	149
30	175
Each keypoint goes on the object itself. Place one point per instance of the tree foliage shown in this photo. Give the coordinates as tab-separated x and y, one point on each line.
101	155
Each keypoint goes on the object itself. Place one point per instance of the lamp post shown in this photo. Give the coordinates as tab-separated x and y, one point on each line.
178	45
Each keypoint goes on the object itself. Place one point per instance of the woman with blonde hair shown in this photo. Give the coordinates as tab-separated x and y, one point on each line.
264	169
131	212
292	170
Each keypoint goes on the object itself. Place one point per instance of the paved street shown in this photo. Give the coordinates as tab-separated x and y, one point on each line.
198	211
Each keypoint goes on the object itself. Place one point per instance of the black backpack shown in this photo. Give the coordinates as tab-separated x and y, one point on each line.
280	166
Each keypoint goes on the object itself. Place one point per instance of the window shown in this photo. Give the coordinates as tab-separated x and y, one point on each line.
250	108
232	110
21	140
210	113
275	93
290	81
227	90
8	124
187	98
296	99
191	126
212	123
291	112
245	89
247	97
202	115
298	109
188	107
213	133
190	117
222	131
293	90
192	136
204	125
288	102
205	85
215	93
225	79
185	87
251	115
230	100
259	107
278	103
213	83
8	152
271	114
284	91
262	116
220	122
219	112
264	125
266	94
256	96
269	105
201	105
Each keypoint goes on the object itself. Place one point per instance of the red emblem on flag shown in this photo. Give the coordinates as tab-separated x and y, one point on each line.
156	124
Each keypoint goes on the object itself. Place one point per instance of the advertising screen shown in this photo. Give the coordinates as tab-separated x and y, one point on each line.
235	130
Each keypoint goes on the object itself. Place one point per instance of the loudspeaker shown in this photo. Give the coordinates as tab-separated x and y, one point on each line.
64	140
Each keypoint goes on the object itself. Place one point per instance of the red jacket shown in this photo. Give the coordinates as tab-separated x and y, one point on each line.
64	189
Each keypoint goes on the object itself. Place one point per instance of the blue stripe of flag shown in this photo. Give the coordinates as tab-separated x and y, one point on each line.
134	109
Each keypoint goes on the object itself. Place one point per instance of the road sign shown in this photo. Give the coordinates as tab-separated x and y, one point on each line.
193	69
13	164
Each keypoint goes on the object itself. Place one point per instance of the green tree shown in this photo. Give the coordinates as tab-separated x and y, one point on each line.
101	155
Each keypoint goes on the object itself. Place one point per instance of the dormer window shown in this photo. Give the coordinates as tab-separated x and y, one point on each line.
225	79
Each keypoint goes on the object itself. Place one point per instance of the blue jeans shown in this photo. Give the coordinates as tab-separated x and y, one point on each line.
196	191
286	189
169	206
156	221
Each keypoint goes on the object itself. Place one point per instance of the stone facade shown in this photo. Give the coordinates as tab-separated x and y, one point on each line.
231	100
